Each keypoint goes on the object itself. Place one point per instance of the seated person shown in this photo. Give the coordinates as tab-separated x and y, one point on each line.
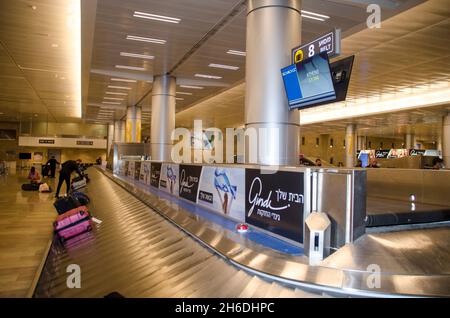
318	162
34	176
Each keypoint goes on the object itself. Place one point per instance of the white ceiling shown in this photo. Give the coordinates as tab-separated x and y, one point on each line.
27	35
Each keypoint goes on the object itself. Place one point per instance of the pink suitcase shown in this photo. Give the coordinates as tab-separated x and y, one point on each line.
73	223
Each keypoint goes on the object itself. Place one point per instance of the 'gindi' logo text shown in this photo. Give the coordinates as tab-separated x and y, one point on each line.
184	182
254	198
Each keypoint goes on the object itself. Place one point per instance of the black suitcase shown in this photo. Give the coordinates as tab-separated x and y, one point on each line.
65	204
81	197
30	187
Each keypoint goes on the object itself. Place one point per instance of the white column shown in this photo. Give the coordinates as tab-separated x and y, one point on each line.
410	141
273	29
350	145
119	131
163	117
446	141
110	139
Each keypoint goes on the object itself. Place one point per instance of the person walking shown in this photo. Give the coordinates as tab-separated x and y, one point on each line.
52	162
64	175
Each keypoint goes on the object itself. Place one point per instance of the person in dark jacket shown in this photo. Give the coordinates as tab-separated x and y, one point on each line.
52	164
64	175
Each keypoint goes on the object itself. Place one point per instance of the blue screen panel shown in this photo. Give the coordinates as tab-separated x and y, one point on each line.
311	82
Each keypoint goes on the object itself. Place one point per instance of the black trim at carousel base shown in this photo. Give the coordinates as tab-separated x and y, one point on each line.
390	219
206	307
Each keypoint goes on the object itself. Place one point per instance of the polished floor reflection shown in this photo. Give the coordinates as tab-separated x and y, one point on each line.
25	230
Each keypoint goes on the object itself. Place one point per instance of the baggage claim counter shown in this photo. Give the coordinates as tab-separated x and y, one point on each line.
306	226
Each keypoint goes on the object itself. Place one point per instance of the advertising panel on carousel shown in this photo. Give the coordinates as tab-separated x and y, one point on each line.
170	178
125	167
145	173
189	182
223	190
122	168
155	170
130	171
137	169
274	202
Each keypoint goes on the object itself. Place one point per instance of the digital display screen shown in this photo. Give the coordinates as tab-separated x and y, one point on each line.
25	155
309	82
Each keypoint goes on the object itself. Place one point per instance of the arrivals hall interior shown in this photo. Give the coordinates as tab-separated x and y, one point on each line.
224	148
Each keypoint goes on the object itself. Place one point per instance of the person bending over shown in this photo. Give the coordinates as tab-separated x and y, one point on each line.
64	175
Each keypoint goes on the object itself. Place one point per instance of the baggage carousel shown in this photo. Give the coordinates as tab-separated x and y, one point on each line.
149	246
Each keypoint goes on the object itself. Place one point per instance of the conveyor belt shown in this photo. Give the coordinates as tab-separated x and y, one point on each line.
136	252
388	212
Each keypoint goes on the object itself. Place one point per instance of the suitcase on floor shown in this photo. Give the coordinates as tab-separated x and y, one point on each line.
65	204
73	223
45	188
76	185
81	197
30	187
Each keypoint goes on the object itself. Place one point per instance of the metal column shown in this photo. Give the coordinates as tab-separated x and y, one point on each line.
119	131
273	29
446	141
410	141
350	145
110	139
163	117
133	124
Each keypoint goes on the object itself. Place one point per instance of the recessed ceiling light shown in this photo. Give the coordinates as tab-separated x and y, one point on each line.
116	93
226	67
111	103
143	39
191	86
123	80
118	87
208	76
62	77
156	17
134	68
139	56
33	7
234	52
55	45
184	93
315	14
113	98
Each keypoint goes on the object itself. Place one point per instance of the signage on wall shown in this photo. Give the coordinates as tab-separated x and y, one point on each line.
274	202
155	174
170	177
137	170
47	141
223	190
85	143
189	181
330	43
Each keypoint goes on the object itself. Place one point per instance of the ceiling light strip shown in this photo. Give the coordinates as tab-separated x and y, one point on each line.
313	18
234	52
118	87
208	76
191	86
139	56
156	17
117	93
315	14
123	80
225	67
133	68
144	39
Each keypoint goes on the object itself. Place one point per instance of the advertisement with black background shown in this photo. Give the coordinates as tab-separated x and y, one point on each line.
382	154
274	202
189	181
155	174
